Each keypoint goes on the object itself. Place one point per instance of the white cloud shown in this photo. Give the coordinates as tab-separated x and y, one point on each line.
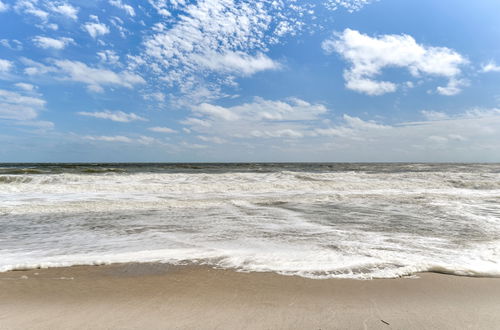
11	44
161	7
491	67
119	25
158	97
127	8
208	45
19	106
369	56
26	87
466	136
51	26
64	9
215	111
276	133
454	87
259	119
195	122
30	7
118	116
293	109
357	123
368	86
212	139
434	115
46	42
34	68
236	62
350	128
162	130
94	78
263	124
96	29
109	56
227	38
5	65
145	140
116	138
3	7
41	125
480	113
41	10
351	6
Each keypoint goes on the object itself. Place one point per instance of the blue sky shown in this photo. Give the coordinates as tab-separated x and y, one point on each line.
262	80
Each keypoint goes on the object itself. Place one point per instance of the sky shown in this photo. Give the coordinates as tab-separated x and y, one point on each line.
249	81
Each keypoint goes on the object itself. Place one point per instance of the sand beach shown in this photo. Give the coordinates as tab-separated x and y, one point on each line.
162	296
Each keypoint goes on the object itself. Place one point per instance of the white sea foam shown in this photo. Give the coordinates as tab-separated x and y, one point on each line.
319	224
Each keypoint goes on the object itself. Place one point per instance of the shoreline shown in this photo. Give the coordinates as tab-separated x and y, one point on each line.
155	296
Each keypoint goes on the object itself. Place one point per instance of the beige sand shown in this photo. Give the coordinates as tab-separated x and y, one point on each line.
154	296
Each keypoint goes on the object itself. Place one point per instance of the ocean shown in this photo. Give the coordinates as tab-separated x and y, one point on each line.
330	220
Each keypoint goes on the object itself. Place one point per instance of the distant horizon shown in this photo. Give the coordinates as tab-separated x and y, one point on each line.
236	163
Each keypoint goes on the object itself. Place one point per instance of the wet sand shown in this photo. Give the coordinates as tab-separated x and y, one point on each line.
156	296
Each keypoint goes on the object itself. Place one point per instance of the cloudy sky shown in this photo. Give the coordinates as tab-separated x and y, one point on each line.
259	80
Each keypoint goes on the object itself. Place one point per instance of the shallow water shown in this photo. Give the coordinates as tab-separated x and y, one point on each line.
313	220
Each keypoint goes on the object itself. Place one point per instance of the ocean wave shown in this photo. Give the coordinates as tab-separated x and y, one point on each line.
355	221
360	270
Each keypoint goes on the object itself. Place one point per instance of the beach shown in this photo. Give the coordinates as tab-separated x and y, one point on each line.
250	246
163	296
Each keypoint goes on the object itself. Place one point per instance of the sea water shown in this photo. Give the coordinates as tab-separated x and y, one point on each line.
314	220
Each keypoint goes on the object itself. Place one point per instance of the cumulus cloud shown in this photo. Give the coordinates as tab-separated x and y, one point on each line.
490	67
116	138
12	44
212	139
465	136
369	56
35	68
268	124
350	128
236	62
95	28
109	56
95	78
215	111
145	140
25	86
3	7
118	116
19	106
162	130
258	119
127	8
30	7
201	47
351	6
223	39
64	8
434	115
46	42
5	65
158	97
454	87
